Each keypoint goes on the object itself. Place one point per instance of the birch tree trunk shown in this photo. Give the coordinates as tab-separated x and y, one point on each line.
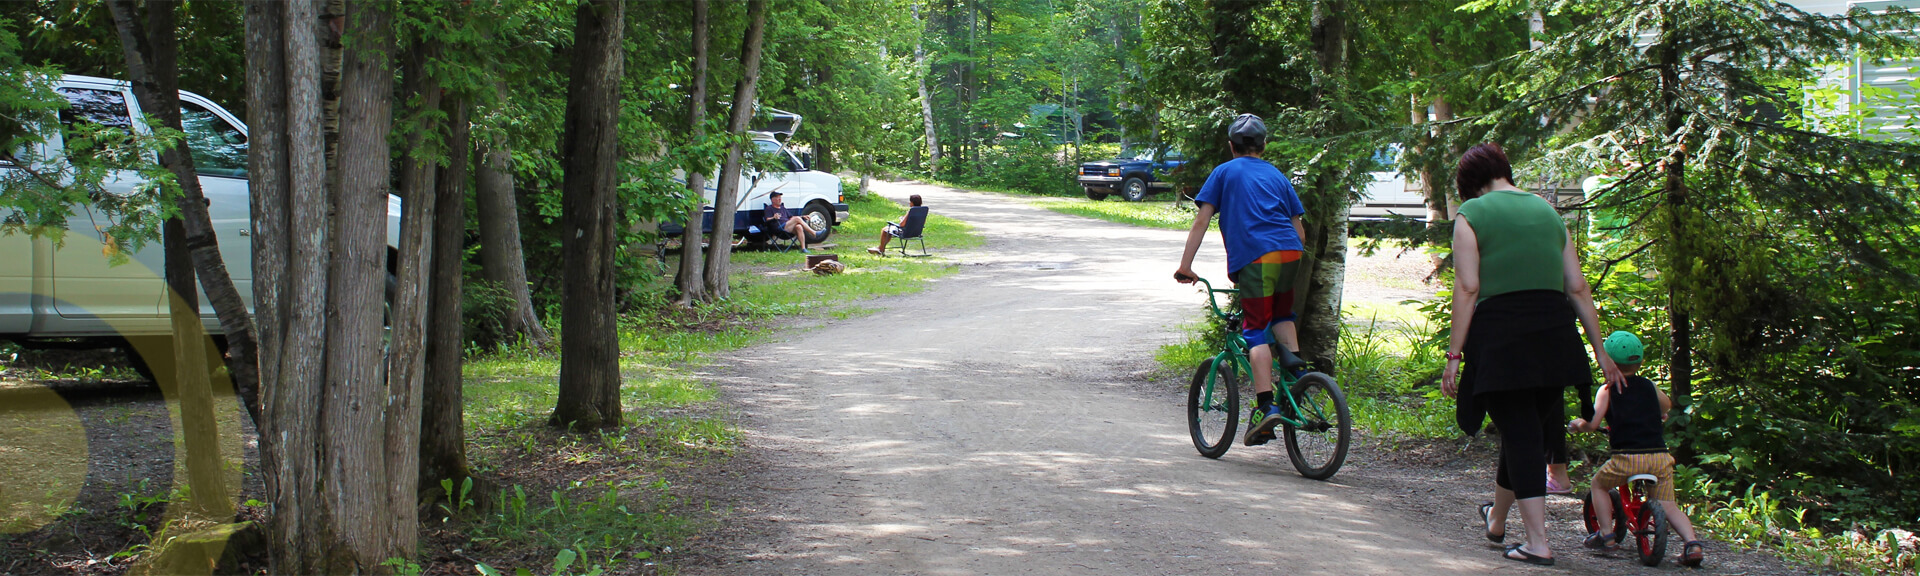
590	348
688	279
443	447
926	101
1319	323
152	62
719	265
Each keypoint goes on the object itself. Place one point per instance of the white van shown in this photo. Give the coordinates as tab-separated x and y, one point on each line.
809	193
70	295
1389	195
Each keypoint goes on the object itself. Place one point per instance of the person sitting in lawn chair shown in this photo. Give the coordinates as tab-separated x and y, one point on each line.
893	229
781	223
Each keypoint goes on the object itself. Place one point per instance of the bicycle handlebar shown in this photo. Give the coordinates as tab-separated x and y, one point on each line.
1212	301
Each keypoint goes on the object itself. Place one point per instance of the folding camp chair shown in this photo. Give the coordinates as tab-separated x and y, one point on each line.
910	230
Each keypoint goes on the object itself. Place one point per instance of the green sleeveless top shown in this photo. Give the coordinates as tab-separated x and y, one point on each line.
1521	242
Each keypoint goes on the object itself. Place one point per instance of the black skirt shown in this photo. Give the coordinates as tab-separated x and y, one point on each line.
1521	340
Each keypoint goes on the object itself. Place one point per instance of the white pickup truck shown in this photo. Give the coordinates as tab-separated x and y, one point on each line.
71	296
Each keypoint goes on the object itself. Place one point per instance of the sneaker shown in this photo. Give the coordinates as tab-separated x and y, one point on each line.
1262	430
805	251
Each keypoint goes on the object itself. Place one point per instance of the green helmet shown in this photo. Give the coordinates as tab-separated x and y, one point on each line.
1624	348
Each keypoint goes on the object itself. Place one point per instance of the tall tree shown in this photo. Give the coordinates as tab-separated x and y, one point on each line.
151	56
719	264
329	430
590	347
688	280
921	71
1331	186
443	451
501	259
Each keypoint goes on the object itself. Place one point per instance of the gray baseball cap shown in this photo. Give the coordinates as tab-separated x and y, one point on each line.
1247	129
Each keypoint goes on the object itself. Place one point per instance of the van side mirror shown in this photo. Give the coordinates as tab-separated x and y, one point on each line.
806	162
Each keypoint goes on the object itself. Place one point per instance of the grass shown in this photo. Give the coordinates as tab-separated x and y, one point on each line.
607	497
1151	214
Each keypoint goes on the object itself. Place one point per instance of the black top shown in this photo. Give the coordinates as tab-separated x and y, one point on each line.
1633	419
778	213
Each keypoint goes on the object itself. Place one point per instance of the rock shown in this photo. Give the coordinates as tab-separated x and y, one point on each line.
1902	538
199	552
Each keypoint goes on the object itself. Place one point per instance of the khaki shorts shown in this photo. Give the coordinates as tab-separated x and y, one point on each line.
1622	466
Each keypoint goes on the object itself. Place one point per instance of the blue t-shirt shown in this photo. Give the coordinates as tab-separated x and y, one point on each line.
1257	205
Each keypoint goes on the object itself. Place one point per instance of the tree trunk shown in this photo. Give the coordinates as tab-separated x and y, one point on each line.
152	62
406	366
500	257
688	280
287	160
1679	249
926	102
719	262
590	347
1319	322
443	448
363	528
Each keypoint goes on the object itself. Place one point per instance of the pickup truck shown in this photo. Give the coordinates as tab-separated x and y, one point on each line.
812	194
69	295
1133	176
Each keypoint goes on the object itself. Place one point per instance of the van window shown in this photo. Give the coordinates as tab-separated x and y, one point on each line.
104	107
775	157
218	148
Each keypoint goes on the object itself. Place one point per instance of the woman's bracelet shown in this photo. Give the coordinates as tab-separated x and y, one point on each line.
1455	356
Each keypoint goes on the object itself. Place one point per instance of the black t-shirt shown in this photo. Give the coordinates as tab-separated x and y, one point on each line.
1633	419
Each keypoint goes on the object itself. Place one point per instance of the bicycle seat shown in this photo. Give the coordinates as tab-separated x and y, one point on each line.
1639	477
1287	358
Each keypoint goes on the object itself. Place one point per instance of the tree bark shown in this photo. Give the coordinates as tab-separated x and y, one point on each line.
152	62
688	280
443	448
719	265
406	366
287	162
363	528
500	256
590	348
1319	323
1679	248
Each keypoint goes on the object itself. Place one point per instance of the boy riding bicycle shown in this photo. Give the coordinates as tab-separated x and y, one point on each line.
1634	416
1260	226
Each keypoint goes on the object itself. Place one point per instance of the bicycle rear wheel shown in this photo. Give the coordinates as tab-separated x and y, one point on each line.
1619	530
1213	412
1651	532
1320	446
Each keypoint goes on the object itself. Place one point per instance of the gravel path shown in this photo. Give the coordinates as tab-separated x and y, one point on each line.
1002	422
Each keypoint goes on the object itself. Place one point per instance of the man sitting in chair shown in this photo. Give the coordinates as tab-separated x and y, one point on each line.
893	230
781	222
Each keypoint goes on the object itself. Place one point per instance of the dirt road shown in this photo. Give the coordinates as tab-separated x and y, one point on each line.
1000	423
996	424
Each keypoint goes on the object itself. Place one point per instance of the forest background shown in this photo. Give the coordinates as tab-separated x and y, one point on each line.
1755	230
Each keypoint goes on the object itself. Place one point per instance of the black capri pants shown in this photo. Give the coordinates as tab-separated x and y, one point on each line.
1531	421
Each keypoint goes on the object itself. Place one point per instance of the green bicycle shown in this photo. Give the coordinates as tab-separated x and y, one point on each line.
1315	419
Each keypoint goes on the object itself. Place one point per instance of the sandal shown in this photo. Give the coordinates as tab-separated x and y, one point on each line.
1601	541
1693	553
1528	557
1558	489
876	252
1486	517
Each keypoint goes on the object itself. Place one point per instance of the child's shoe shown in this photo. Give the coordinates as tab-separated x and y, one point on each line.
1601	541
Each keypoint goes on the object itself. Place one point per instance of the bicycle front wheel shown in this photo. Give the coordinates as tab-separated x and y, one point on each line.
1213	408
1651	534
1319	447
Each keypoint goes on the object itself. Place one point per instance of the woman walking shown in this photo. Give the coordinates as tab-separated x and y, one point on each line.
1517	293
